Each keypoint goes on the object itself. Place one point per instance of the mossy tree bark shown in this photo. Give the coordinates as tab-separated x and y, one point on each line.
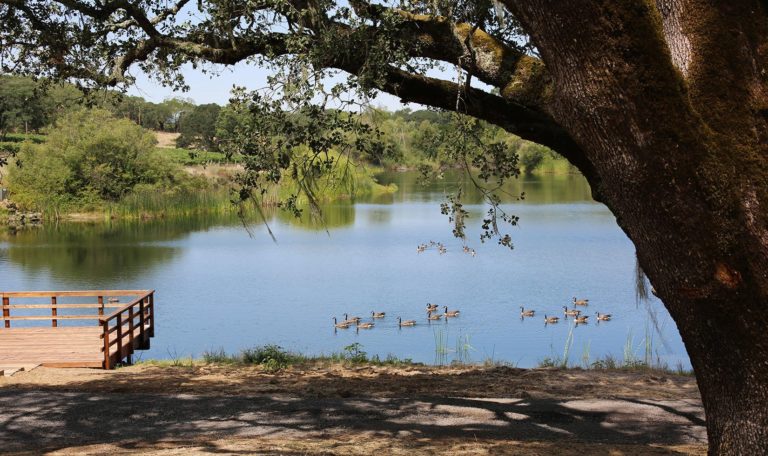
661	104
676	133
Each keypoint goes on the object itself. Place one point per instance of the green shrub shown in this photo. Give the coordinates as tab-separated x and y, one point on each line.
532	157
354	353
270	357
90	159
218	357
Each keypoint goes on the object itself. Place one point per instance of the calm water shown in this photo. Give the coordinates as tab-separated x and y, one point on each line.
219	288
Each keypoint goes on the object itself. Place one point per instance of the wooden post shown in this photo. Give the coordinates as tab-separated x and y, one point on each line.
131	326
119	337
107	358
101	305
7	310
54	312
142	320
152	314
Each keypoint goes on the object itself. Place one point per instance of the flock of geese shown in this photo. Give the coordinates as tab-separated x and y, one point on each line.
442	249
359	324
433	314
575	313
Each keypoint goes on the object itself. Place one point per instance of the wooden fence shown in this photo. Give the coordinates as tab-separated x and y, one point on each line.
126	329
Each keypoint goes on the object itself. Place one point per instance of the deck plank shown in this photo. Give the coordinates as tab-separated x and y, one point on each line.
74	346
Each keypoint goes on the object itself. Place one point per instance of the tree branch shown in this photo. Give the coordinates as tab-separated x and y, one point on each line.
514	118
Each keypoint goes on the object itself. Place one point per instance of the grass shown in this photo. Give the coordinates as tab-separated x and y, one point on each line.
189	157
631	361
21	137
460	353
273	358
143	203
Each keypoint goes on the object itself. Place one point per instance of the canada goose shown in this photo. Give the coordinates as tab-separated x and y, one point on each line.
582	319
550	319
112	300
580	302
432	307
451	313
377	314
433	317
342	325
573	312
400	322
526	313
351	320
365	325
603	317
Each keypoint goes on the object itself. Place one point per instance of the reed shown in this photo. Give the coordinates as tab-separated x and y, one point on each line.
152	203
630	361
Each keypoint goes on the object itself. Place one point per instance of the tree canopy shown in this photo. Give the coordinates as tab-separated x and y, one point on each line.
660	104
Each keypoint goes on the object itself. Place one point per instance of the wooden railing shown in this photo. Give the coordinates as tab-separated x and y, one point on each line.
139	317
123	331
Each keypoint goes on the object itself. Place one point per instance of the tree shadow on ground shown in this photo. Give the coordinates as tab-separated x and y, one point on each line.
36	420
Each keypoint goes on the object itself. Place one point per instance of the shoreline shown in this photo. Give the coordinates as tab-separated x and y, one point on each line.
321	408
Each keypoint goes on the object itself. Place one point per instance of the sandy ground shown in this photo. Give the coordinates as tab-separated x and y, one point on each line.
321	409
166	139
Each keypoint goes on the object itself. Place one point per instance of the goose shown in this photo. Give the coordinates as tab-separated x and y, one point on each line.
582	319
365	325
433	317
573	312
580	302
342	325
526	313
113	300
400	322
603	317
550	319
432	307
351	320
377	314
451	313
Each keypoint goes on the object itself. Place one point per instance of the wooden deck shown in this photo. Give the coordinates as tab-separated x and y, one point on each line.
77	346
108	340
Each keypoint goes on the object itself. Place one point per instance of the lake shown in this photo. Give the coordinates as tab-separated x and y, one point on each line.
218	287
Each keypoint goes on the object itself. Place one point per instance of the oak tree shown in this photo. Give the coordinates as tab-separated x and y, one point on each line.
661	104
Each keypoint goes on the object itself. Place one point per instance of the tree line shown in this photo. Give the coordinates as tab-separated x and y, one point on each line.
404	137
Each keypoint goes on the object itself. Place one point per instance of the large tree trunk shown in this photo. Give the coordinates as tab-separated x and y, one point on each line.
669	105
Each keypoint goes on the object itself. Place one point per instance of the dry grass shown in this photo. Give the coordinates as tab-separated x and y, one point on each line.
338	380
366	445
166	140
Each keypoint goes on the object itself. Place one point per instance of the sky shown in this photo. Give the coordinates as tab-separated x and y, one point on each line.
207	88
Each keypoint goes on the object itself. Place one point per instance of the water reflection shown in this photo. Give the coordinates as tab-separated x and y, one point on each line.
539	189
98	252
335	215
125	249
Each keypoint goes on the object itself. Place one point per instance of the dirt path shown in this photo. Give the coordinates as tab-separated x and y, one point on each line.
320	411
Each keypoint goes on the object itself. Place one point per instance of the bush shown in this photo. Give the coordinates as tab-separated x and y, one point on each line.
532	158
89	159
217	357
354	353
271	357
